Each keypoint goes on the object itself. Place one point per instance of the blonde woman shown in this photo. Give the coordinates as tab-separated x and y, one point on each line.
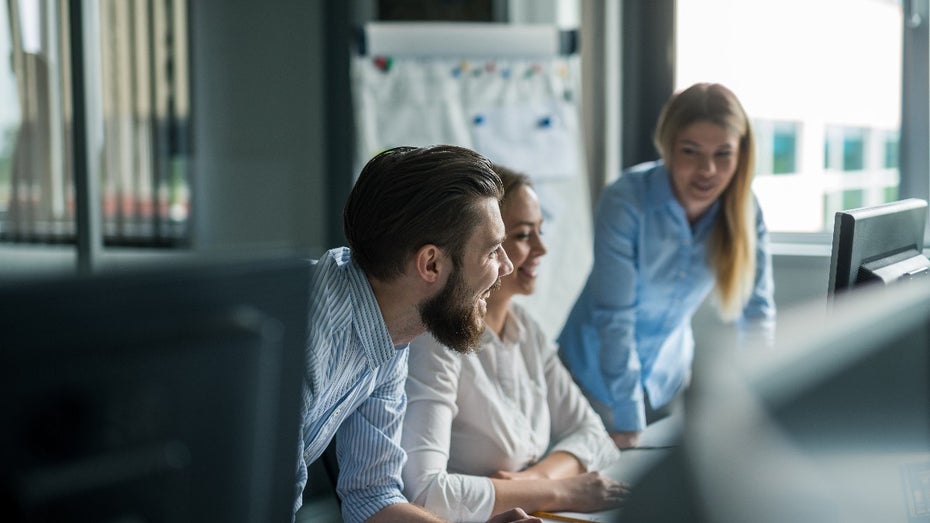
506	426
667	233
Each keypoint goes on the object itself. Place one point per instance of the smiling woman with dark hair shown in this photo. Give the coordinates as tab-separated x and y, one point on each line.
506	426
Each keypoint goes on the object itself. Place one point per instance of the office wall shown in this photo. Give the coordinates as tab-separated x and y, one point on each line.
259	130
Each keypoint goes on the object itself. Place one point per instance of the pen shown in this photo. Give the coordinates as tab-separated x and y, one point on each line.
559	517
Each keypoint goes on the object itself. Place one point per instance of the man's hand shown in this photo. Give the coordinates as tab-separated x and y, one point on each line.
625	440
515	515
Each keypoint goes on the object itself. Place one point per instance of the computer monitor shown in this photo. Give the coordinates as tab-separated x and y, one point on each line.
157	395
880	244
832	424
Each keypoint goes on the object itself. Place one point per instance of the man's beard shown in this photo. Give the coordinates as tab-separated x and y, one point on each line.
452	317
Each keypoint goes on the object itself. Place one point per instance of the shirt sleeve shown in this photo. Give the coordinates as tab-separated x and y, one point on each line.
614	276
302	475
432	389
757	322
368	446
576	428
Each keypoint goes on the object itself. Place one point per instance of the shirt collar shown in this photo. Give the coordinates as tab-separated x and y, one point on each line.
660	190
367	319
514	332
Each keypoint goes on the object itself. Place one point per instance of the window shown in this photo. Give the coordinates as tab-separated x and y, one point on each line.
892	150
9	111
776	146
857	169
825	99
135	76
784	148
853	150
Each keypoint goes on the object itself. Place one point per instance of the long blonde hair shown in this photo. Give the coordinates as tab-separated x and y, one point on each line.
732	243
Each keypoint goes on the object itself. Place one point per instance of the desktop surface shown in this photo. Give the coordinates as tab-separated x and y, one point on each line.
657	443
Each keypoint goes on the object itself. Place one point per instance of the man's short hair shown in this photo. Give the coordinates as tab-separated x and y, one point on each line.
408	197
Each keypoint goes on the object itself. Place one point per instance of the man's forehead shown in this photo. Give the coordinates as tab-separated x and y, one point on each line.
490	230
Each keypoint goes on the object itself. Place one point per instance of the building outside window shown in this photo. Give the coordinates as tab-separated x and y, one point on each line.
776	146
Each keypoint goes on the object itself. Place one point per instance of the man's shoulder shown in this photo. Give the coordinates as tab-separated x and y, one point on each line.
336	257
332	291
334	269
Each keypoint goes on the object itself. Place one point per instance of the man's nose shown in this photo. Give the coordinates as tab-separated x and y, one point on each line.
506	266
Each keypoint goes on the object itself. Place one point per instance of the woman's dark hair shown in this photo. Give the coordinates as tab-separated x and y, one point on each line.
511	180
408	197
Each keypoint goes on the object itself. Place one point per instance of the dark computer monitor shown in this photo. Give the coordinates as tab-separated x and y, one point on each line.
157	395
832	424
880	244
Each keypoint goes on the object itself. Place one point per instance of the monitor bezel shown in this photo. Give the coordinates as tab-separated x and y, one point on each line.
892	231
235	326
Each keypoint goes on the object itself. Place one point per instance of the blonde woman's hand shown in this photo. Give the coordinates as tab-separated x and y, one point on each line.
625	440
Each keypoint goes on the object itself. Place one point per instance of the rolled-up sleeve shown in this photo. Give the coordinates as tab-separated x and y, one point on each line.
432	386
301	474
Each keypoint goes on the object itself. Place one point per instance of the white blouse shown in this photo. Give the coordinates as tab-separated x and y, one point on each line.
503	408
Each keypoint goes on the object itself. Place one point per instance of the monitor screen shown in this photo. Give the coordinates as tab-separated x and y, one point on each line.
880	244
160	395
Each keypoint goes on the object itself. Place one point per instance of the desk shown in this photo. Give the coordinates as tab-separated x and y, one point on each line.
321	505
656	442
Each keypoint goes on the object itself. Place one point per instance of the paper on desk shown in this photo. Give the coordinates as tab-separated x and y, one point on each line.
606	516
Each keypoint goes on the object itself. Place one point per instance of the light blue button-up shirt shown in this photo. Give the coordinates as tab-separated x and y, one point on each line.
354	384
630	329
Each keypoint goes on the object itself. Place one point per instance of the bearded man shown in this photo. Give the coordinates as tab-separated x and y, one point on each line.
425	233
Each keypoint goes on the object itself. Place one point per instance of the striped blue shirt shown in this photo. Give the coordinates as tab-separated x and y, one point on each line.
630	329
353	390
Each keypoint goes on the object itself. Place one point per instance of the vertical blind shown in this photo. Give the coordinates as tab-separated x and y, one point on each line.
143	92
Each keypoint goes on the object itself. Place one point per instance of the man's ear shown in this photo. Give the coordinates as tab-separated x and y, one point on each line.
430	263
